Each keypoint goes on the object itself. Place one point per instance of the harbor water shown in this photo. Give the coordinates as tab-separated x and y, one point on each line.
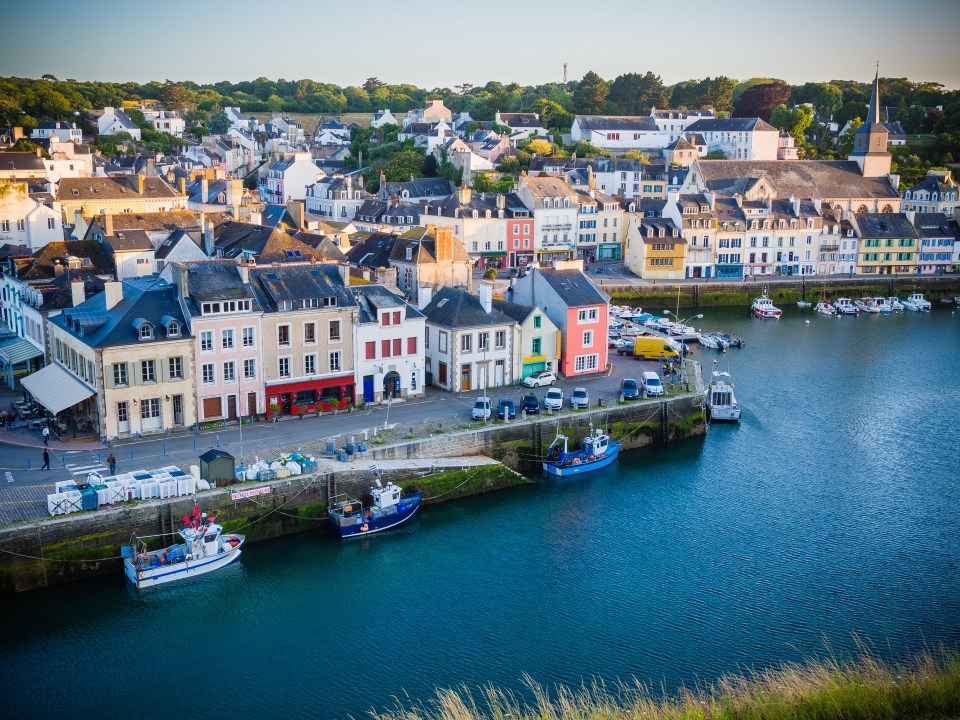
827	517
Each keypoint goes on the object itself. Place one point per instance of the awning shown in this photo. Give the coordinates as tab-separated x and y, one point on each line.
55	388
18	351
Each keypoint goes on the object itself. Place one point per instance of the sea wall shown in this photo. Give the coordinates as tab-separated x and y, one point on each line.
71	547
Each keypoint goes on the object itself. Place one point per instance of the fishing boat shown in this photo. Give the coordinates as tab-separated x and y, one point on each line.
348	516
867	305
845	306
825	308
763	307
885	307
596	451
896	305
917	303
804	304
721	402
205	548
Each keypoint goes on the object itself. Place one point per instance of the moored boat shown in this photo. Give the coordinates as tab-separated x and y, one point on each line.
824	307
712	341
349	518
896	305
882	305
845	306
205	548
917	303
763	307
731	340
596	451
721	402
867	305
804	304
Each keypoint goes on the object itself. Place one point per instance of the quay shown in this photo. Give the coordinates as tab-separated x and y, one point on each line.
449	464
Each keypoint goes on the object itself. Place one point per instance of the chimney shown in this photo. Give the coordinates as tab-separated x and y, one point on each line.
344	273
711	198
444	247
817	203
486	296
171	176
204	189
206	229
182	186
243	270
911	216
234	196
107	222
464	195
114	293
591	181
795	203
296	210
424	296
57	268
739	199
140	184
256	217
501	201
151	169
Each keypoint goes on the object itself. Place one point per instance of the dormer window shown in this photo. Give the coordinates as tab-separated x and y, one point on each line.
146	331
173	329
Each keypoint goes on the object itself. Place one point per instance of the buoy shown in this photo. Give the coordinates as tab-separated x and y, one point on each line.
365	527
807	322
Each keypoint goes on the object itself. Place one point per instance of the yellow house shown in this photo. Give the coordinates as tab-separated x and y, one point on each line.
887	244
663	248
115	196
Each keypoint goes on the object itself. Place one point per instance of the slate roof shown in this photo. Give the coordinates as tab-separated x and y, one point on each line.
799	178
934	184
297	283
895	129
129	241
44	258
266	244
729	125
274	215
512	310
573	287
195	191
650	230
379	248
884	225
550	187
21	162
113	188
681	143
419	188
328	249
215	280
457	308
147	298
167	246
373	298
150	222
616	122
388	212
520	120
935	225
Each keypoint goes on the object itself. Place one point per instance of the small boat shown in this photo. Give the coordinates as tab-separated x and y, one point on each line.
845	306
895	304
884	307
804	304
721	402
763	307
710	340
349	518
204	549
946	301
917	303
867	305
825	308
731	340
597	451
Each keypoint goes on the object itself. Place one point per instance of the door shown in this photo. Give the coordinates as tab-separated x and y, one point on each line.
284	403
178	409
465	378
231	407
498	374
150	418
251	403
368	388
123	418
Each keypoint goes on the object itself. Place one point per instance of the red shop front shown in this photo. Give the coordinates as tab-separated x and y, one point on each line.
312	395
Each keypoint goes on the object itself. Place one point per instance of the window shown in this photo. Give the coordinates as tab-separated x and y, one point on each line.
122	415
150	408
309	333
247	334
335	361
310	364
120	374
536	346
371	350
585	363
443	341
335	330
484	343
208	374
396	317
466	343
385	320
249	369
230	371
588	315
397	350
20	225
5	226
176	368
588	338
283	337
51	223
146	332
148	371
226	339
283	367
500	339
537	321
411	346
206	341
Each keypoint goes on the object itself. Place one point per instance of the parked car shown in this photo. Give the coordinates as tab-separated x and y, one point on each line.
625	346
629	390
652	385
554	399
540	378
530	404
506	410
482	409
579	398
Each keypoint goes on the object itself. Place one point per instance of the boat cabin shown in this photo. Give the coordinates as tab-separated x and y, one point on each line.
386	497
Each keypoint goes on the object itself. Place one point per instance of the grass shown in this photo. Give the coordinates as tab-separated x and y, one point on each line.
923	687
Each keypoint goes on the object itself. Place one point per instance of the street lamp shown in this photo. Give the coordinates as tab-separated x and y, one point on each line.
683	345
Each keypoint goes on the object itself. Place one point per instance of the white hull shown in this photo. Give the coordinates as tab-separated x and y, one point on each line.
724	414
148	577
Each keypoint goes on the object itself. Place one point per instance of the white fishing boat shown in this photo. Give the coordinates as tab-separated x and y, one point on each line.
882	305
205	548
867	305
845	306
824	307
917	303
721	402
896	305
763	307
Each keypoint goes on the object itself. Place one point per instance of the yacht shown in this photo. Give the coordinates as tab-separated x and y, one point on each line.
917	303
896	305
825	308
867	305
883	305
845	306
721	402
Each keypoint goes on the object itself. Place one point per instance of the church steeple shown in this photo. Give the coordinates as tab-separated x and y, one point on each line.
870	139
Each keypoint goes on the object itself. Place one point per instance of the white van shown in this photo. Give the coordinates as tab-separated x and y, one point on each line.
652	385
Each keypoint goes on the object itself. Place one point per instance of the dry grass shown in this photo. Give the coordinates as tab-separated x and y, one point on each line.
924	687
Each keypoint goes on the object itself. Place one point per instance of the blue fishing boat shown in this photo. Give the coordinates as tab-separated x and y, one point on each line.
349	518
596	451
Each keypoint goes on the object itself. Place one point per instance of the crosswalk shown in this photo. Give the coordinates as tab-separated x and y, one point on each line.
80	463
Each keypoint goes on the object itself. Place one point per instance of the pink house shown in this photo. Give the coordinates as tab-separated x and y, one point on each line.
519	232
577	307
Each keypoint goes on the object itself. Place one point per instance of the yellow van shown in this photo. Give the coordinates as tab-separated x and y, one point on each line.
649	348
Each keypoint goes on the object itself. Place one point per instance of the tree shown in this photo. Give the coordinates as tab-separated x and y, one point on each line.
845	142
635	94
827	98
911	118
175	96
760	100
540	147
850	111
552	114
219	123
794	122
591	94
403	165
584	149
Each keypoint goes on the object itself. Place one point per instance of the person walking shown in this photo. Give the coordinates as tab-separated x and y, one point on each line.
46	435
46	459
112	462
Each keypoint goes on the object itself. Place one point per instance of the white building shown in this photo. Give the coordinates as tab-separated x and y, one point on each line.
26	221
289	178
336	197
114	121
739	138
555	206
62	131
383	117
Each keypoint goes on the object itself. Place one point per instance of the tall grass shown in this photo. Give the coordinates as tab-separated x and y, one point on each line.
924	687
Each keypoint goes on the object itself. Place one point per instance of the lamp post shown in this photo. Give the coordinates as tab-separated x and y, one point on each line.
683	345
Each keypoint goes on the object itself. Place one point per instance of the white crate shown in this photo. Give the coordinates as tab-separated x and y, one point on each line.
294	468
149	489
186	486
104	496
65	502
168	488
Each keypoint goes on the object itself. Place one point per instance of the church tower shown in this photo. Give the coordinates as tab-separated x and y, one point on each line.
870	140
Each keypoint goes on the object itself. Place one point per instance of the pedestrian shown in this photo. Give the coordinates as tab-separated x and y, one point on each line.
46	435
46	459
112	462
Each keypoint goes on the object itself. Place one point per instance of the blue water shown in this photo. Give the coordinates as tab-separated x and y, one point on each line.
829	514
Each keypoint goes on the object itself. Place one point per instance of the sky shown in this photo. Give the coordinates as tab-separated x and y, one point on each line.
443	44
